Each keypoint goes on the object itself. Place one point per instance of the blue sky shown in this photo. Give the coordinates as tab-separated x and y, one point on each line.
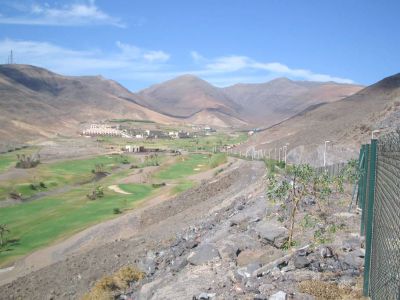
139	43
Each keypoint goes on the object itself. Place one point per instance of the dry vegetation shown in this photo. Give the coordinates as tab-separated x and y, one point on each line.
322	290
110	286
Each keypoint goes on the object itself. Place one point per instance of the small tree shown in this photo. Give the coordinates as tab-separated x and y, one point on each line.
3	232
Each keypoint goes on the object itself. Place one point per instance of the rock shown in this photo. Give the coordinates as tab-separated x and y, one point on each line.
272	233
252	285
359	253
204	296
325	251
228	250
266	288
303	251
353	261
178	264
249	256
301	262
260	297
203	254
315	266
247	271
351	244
272	266
278	296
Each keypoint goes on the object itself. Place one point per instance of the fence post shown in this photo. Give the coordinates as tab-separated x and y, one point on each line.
370	215
364	191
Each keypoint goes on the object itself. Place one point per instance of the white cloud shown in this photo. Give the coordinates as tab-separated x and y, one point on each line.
76	14
135	66
196	56
125	59
153	56
229	66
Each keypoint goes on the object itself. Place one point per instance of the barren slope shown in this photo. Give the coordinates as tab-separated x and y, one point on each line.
279	99
346	123
36	102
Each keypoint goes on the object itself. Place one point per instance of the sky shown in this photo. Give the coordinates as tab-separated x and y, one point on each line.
140	43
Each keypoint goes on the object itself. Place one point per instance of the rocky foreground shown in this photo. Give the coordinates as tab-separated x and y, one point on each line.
221	240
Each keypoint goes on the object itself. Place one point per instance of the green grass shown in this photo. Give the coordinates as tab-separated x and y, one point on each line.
41	222
8	160
181	187
139	190
38	223
185	166
58	174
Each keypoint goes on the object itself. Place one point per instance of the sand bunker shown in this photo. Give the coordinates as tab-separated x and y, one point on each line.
117	189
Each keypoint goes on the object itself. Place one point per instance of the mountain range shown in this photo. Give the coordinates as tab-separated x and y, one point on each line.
346	124
35	102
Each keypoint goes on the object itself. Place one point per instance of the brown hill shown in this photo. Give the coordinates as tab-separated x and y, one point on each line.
257	104
188	96
36	102
346	124
271	102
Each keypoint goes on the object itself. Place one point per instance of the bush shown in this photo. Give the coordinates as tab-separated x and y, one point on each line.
27	161
42	185
109	286
117	211
158	185
98	192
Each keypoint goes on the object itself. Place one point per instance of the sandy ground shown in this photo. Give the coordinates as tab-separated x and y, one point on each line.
120	228
117	189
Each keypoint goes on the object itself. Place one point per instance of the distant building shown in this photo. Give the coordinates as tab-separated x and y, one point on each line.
134	148
183	135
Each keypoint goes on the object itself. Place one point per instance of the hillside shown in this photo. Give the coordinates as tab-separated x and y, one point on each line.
35	102
257	104
190	97
346	123
276	100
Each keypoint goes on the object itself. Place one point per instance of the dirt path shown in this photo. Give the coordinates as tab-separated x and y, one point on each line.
106	247
128	226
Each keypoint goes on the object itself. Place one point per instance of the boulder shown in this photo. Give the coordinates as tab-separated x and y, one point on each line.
205	296
247	271
353	261
278	296
301	262
351	244
203	254
272	233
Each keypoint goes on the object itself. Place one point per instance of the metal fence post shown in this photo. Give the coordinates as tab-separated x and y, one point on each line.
364	190
370	214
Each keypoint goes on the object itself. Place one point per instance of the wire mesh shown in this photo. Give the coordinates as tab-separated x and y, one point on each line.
384	275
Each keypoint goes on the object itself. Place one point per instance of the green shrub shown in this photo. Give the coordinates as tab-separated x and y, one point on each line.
117	211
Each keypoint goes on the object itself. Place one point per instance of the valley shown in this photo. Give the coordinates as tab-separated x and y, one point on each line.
165	182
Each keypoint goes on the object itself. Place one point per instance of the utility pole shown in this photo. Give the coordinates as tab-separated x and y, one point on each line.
285	152
326	142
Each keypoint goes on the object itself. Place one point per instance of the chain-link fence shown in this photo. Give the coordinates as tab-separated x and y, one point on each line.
332	170
379	199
